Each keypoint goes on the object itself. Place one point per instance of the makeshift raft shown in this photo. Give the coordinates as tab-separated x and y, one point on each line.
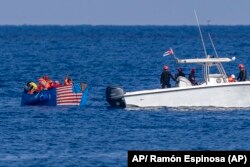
75	94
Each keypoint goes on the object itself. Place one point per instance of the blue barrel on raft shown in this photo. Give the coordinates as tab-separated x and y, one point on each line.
75	94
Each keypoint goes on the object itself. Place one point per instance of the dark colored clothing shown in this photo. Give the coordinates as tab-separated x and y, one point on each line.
191	78
26	89
165	79
242	75
179	74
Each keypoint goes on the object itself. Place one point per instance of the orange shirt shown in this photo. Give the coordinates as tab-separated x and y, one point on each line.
230	79
43	84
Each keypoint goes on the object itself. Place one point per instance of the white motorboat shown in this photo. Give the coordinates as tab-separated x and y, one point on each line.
215	91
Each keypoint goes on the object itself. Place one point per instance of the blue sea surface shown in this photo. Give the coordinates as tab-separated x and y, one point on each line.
130	56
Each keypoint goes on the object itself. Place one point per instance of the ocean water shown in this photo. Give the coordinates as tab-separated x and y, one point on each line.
130	56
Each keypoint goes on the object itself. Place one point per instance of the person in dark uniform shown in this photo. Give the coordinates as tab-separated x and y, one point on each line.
179	73
191	77
165	78
242	74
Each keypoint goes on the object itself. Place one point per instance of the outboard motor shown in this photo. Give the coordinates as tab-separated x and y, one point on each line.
115	96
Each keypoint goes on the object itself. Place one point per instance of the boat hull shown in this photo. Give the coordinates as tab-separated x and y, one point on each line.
224	95
65	95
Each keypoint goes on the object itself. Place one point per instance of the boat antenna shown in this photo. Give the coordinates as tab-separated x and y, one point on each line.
219	65
204	47
213	45
205	67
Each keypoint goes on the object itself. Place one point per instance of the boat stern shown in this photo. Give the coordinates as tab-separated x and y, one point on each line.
115	96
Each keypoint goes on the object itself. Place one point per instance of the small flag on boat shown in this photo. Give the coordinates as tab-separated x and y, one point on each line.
169	52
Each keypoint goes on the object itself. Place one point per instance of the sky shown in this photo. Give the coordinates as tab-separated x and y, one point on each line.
124	12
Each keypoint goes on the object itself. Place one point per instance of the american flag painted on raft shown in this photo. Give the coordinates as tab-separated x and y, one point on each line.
69	95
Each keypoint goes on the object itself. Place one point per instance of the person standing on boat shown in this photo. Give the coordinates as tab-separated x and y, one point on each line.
242	74
165	78
179	73
191	77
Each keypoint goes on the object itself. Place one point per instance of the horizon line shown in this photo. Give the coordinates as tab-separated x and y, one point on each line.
124	25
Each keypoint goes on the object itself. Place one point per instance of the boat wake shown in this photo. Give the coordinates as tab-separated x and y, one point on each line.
187	109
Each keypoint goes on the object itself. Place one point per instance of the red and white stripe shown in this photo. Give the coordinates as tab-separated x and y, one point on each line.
65	96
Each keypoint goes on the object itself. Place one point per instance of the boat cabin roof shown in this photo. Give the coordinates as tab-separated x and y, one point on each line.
205	60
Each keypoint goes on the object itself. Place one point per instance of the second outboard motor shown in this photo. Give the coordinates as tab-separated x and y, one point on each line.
115	96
